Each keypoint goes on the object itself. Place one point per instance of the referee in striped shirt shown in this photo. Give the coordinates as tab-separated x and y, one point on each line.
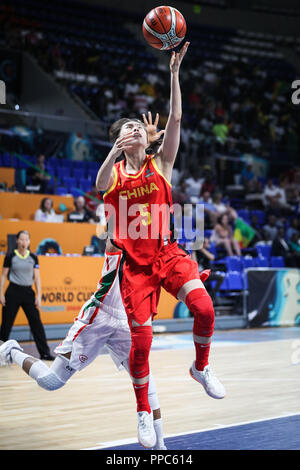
22	269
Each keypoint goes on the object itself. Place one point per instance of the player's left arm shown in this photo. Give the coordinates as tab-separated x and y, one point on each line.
167	152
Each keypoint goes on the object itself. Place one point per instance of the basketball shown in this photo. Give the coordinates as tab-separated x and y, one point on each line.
164	27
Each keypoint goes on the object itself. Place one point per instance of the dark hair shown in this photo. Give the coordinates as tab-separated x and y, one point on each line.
20	233
219	219
115	128
42	206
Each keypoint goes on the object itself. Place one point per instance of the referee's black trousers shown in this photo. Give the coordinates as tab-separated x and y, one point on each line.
23	296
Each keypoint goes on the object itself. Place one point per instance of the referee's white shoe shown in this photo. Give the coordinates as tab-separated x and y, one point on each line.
146	431
210	382
5	349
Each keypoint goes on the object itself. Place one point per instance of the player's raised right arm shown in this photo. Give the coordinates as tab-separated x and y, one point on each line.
105	174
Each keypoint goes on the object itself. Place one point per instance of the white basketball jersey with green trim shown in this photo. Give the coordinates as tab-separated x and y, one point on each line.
108	288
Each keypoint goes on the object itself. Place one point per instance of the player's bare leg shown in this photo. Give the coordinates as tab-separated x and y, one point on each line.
49	378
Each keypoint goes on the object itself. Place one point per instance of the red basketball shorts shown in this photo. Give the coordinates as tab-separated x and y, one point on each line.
141	285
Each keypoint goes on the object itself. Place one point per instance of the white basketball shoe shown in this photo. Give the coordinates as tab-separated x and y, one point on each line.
5	350
207	378
158	447
146	431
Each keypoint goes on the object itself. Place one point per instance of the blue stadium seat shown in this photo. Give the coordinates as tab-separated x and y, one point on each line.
262	262
261	216
234	263
75	191
224	286
67	164
23	162
78	173
213	249
244	214
234	281
61	173
6	160
207	233
79	164
264	250
60	190
64	170
69	180
51	172
53	163
248	262
84	185
277	262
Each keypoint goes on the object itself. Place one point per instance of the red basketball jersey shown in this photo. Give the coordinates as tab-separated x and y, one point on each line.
138	210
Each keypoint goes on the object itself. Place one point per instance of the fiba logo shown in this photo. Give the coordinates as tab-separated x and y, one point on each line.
83	358
2	92
296	94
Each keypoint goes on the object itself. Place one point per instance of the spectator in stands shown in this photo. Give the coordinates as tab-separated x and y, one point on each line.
220	131
293	228
274	198
249	179
292	189
255	225
255	142
38	175
270	229
208	184
81	213
45	213
194	182
204	257
222	208
179	193
271	195
223	236
210	213
281	248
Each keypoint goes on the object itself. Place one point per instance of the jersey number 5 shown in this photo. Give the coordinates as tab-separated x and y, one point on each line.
144	212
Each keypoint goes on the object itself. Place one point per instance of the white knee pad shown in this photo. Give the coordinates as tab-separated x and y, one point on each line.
54	377
50	381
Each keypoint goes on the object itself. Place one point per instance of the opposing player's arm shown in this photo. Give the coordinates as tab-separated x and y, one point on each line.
168	150
105	175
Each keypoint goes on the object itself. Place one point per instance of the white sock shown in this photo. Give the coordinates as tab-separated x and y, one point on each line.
18	356
158	431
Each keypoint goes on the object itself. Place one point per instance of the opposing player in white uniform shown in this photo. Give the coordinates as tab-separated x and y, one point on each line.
102	322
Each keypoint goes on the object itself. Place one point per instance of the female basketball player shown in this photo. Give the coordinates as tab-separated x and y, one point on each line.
102	321
136	188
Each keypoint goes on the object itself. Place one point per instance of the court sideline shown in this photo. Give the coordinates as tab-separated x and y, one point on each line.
96	409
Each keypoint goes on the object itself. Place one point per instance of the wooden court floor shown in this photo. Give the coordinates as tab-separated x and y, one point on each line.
97	405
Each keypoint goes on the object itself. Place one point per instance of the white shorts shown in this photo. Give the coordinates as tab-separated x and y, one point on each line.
95	329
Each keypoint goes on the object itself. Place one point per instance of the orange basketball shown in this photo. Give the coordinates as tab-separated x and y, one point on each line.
164	27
